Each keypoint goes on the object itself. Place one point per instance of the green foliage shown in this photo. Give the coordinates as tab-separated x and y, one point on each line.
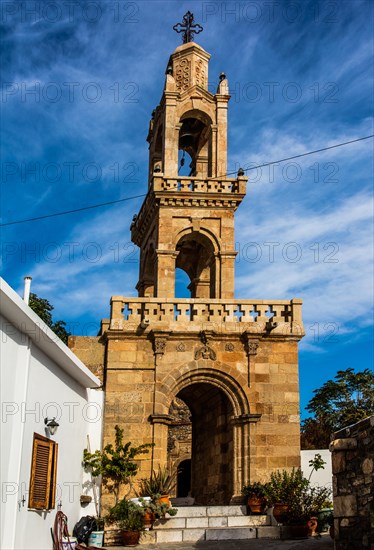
306	504
44	309
161	482
128	515
255	489
317	463
338	403
116	464
160	509
316	433
284	485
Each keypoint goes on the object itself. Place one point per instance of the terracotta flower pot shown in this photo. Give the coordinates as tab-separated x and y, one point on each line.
280	512
164	499
257	505
149	519
312	526
130	538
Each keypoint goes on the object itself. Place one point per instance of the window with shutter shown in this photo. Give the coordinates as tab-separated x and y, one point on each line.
42	488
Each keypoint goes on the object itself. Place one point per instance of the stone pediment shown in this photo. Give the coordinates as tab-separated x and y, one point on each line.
196	91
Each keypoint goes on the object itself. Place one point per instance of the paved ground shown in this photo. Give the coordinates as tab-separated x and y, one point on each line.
323	543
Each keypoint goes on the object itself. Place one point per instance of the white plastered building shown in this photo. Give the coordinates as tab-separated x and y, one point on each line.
41	378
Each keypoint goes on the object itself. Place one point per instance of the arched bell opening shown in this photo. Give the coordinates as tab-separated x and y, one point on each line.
196	257
195	138
212	446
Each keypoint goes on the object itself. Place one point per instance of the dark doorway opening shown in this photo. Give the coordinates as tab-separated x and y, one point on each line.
184	479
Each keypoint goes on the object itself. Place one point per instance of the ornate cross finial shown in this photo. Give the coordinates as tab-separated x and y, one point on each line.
188	27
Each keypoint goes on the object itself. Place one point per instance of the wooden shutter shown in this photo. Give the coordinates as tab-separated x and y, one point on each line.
43	473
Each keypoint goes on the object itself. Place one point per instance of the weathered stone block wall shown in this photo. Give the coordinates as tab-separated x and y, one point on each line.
91	352
353	486
258	431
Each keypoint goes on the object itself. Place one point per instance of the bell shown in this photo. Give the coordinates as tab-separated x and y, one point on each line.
186	139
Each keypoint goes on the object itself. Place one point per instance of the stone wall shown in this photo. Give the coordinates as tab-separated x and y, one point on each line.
252	401
353	486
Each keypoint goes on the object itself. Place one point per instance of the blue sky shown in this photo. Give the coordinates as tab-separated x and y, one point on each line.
79	83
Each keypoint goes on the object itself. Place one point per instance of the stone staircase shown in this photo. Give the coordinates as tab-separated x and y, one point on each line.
197	523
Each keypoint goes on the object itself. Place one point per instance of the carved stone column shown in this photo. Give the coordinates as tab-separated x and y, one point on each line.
242	436
158	419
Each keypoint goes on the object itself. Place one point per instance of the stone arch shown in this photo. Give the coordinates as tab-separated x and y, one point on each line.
191	373
203	231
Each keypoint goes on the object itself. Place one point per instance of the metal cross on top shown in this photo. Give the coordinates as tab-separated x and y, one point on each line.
188	27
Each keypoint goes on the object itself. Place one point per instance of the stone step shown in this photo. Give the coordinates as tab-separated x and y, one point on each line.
196	534
203	511
210	521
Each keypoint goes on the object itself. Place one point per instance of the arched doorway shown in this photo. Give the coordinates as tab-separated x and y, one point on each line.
208	475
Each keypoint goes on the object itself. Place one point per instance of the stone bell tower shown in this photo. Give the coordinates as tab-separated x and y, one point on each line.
231	364
188	223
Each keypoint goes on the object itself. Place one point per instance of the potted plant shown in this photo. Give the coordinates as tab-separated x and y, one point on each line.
154	509
116	465
256	497
281	490
324	516
303	510
131	523
161	483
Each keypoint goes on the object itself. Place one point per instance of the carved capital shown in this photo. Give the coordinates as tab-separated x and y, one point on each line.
250	344
159	342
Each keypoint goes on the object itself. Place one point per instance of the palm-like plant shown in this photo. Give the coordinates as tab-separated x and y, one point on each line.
161	482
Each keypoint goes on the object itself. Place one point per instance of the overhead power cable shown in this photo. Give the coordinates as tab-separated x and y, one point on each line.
144	194
73	211
302	154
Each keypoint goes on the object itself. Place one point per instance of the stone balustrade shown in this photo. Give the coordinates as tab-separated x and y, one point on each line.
198	185
276	316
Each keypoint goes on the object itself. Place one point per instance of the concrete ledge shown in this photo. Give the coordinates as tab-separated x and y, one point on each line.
169	536
172	523
226	510
193	523
218	521
193	535
231	534
268	532
192	511
247	521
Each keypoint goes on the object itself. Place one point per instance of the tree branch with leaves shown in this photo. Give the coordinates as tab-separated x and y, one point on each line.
338	403
115	463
